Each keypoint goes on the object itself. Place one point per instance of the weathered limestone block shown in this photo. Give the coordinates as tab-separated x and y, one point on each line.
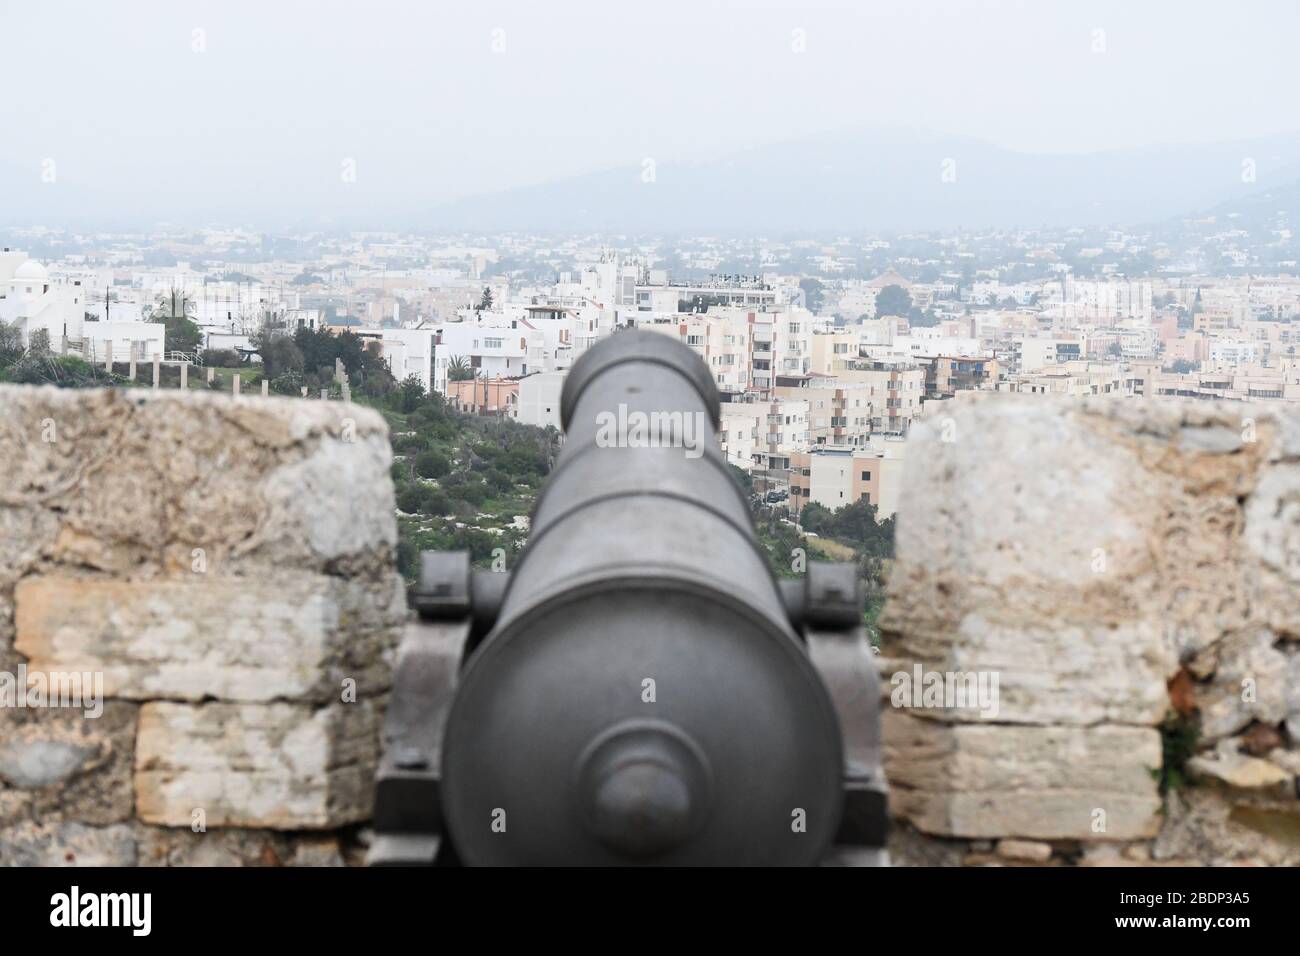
1023	548
1224	827
184	846
1083	551
281	766
1030	851
72	766
157	480
288	635
67	843
1227	764
177	846
1293	697
1042	783
1250	682
1068	673
1272	537
25	534
15	806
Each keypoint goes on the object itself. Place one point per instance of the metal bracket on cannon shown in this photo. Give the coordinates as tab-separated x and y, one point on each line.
454	605
826	607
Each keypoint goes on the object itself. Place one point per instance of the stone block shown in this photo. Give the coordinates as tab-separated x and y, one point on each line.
1040	783
276	765
286	636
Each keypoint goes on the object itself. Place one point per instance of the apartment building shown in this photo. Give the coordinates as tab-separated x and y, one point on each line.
658	293
744	350
760	436
837	476
538	402
498	396
508	343
782	345
946	375
1246	384
1035	353
830	348
407	351
839	412
1076	378
894	389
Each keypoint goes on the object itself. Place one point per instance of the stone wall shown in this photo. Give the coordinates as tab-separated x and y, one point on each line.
1129	573
224	568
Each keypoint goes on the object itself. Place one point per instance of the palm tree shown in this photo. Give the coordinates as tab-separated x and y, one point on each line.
459	370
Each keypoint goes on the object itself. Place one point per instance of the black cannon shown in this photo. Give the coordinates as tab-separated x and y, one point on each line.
638	689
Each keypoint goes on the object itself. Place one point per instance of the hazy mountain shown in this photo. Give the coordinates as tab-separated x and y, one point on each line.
885	180
862	180
1261	206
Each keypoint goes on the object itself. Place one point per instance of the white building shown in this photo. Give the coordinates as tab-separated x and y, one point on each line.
410	352
129	340
539	399
33	301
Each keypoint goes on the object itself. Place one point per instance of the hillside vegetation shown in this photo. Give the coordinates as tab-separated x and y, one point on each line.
465	481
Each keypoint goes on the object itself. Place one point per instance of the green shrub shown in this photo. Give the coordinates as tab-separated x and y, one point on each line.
411	499
430	464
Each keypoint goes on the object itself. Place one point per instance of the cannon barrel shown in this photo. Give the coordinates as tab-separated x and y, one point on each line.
635	690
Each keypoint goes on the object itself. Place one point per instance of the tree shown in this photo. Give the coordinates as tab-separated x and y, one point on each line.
411	499
485	300
173	304
38	343
743	478
290	382
430	464
856	525
459	369
11	343
366	368
893	300
813	517
173	310
409	394
280	354
812	294
180	334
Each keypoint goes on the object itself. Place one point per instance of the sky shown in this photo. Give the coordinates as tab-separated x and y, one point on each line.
114	107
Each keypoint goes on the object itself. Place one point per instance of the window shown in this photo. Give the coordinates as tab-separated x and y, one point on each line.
493	343
866	476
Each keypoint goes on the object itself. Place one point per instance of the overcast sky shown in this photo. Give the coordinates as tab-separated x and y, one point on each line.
441	99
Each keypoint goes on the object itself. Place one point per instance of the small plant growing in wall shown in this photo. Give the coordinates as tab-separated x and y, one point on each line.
1179	736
